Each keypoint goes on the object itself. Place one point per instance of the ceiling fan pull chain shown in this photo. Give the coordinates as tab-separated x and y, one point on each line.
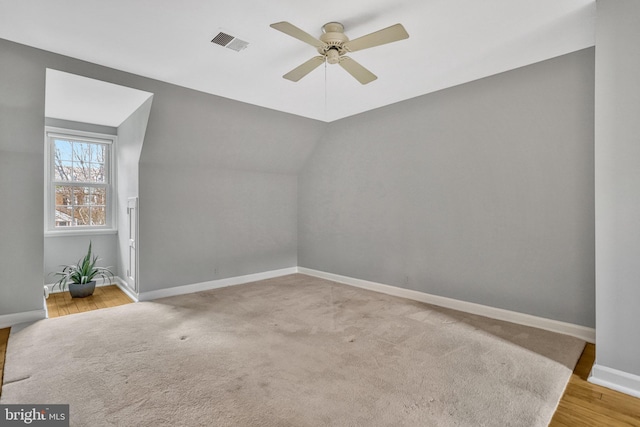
325	90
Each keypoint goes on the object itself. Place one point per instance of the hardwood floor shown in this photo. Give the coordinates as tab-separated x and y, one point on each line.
61	304
583	403
4	337
586	404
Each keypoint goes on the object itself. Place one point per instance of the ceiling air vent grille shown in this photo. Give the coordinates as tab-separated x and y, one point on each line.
229	41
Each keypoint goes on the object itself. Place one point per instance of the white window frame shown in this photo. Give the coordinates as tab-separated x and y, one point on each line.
50	183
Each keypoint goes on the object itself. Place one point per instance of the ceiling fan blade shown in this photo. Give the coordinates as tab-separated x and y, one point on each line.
304	69
360	73
297	33
384	36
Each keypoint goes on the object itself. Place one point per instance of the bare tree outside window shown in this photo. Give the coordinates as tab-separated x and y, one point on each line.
80	178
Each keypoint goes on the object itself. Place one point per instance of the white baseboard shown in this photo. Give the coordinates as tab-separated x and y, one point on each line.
214	284
582	332
7	320
125	288
614	379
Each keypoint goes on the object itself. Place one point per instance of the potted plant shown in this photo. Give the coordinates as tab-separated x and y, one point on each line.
80	276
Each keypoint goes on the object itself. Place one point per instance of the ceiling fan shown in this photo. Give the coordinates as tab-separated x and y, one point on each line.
334	44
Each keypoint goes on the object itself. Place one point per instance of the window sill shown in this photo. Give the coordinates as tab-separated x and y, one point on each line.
64	233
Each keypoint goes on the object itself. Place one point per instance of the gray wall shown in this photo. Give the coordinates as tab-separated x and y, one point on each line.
246	157
130	139
482	192
21	182
62	250
617	139
218	188
199	224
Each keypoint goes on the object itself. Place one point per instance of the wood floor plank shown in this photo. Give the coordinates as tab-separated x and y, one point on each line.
116	296
98	299
4	338
622	403
583	368
52	309
71	306
83	304
123	298
568	414
587	404
61	303
584	392
79	303
58	302
592	407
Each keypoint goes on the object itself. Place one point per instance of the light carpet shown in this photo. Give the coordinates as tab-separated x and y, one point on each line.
290	351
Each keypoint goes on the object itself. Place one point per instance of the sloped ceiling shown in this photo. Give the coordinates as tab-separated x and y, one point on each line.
451	42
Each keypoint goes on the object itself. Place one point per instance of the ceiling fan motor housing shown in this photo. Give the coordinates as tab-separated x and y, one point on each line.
333	36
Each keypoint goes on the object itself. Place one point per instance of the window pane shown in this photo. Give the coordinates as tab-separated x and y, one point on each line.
98	152
98	215
96	196
64	195
62	149
81	196
81	151
82	215
99	196
90	199
81	172
96	172
62	170
64	216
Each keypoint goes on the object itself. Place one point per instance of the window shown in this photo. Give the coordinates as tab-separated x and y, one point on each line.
79	180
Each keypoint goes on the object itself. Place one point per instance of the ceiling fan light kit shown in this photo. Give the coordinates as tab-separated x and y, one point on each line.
333	45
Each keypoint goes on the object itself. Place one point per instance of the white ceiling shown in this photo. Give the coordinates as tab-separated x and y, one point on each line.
451	42
85	100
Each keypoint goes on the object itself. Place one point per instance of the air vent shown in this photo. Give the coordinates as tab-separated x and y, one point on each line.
229	41
222	39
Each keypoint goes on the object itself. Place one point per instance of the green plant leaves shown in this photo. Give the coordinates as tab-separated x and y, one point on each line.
83	272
